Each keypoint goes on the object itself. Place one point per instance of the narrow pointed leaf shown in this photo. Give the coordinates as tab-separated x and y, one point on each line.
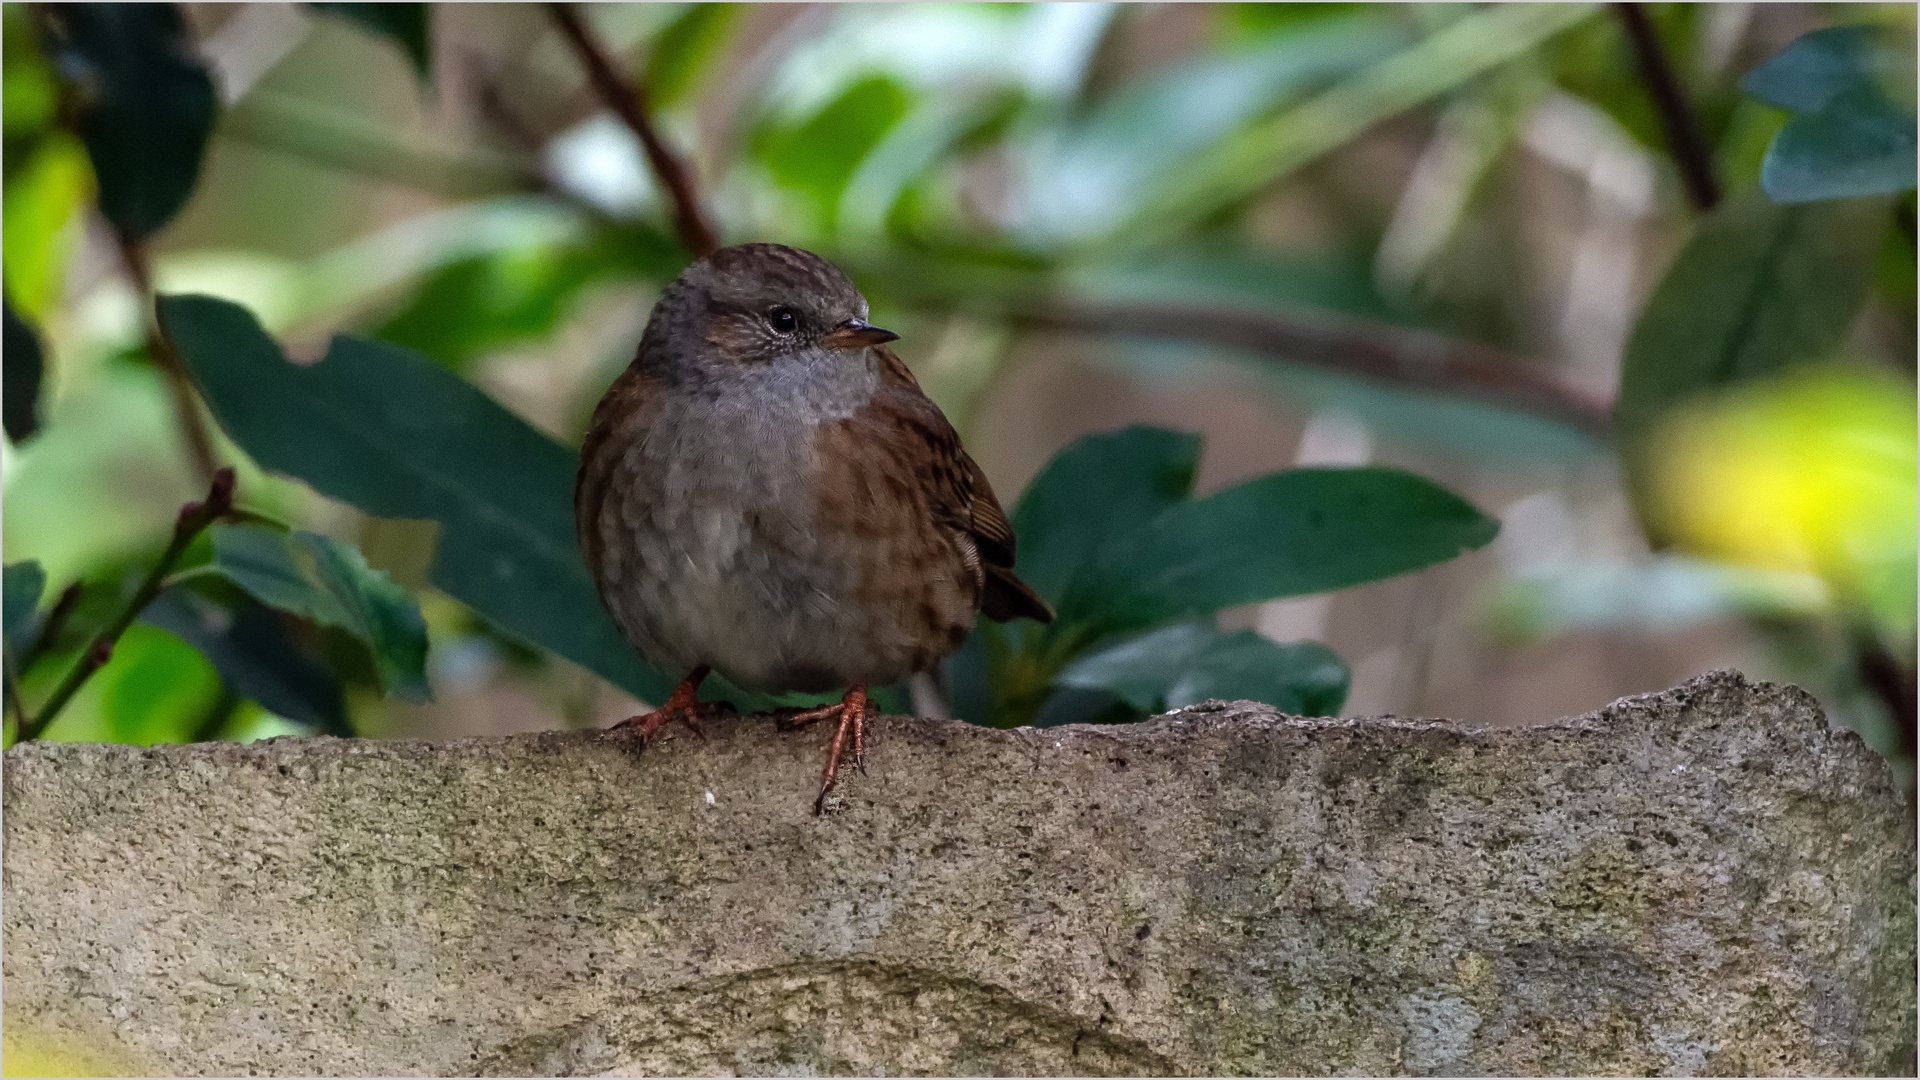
1285	534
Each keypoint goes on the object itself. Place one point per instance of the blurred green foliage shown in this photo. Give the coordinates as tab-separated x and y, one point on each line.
981	170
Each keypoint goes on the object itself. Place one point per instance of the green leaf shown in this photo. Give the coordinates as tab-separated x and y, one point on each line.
473	306
1098	490
1252	159
406	25
398	436
1096	171
147	107
1859	143
155	689
1284	534
818	157
1193	662
21	372
684	48
1760	286
249	646
20	590
1819	66
330	582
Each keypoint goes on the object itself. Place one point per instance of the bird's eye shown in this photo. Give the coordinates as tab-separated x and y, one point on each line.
782	320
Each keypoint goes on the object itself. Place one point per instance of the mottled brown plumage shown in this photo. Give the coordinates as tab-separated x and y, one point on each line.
766	492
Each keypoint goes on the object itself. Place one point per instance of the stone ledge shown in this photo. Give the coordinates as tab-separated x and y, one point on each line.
1706	880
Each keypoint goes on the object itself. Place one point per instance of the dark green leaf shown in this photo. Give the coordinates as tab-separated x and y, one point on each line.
1285	534
250	648
147	107
20	395
330	582
1759	286
1859	143
407	25
683	50
1194	662
20	590
396	435
1819	66
1098	490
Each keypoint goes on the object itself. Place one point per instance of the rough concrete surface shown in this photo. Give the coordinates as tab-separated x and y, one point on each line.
1703	881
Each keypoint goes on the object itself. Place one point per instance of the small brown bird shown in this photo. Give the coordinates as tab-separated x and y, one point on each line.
765	492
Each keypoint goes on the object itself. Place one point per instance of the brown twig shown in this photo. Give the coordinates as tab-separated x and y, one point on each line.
193	517
1388	354
629	103
1682	128
193	427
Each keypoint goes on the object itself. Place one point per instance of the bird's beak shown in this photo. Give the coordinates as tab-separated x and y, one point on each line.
856	334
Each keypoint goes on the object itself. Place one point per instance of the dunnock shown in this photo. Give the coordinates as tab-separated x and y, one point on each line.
765	492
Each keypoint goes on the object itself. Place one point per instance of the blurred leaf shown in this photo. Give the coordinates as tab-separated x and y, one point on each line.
20	375
406	25
1194	662
147	106
1859	143
1096	171
477	305
43	198
683	50
1758	287
156	688
1851	137
1812	471
329	582
392	433
1284	534
819	156
1669	594
1097	490
249	646
20	591
30	96
1252	159
1819	66
1262	20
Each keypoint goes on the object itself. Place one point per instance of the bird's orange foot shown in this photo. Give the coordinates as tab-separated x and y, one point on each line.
851	712
683	704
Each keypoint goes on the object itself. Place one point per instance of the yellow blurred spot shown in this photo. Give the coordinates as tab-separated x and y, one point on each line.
38	1053
1813	471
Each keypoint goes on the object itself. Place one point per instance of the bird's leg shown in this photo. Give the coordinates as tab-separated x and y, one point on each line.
852	713
683	704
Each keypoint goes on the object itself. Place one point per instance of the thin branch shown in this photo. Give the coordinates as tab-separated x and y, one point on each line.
1682	127
193	518
193	426
628	102
1406	357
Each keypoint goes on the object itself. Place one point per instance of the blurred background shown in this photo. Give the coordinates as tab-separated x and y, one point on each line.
1337	234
